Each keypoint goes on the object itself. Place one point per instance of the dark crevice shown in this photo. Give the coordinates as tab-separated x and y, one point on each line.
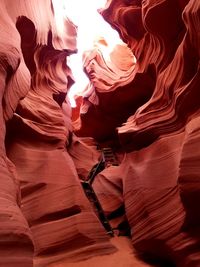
58	215
30	189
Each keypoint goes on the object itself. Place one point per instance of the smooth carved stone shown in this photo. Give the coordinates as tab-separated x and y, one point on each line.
16	247
124	255
154	11
159	186
108	188
63	36
84	148
175	52
35	81
50	177
189	174
151	104
160	180
116	69
126	18
109	101
59	214
16	244
153	50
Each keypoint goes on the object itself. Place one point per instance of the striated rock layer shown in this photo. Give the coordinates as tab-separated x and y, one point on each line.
61	220
143	99
174	52
160	189
16	243
158	180
115	92
160	173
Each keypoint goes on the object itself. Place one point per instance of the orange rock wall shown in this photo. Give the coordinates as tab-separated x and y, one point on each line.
160	171
147	110
45	214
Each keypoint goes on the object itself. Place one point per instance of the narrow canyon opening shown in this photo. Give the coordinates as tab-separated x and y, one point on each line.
100	133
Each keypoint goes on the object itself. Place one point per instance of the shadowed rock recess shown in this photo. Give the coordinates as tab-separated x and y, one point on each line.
142	104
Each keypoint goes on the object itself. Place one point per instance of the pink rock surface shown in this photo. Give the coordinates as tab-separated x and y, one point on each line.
60	217
124	257
84	148
149	108
174	52
159	186
160	182
61	220
160	173
111	99
16	246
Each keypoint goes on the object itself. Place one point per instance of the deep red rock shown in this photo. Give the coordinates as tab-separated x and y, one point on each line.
143	101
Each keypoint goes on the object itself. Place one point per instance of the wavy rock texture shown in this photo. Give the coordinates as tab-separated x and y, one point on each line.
108	186
16	246
160	174
60	217
84	148
114	93
150	107
123	257
61	220
174	52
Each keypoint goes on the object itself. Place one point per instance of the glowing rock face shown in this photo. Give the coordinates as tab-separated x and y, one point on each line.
169	50
148	107
160	174
91	28
34	82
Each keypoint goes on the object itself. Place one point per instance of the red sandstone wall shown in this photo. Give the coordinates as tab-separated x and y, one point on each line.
149	109
57	217
159	175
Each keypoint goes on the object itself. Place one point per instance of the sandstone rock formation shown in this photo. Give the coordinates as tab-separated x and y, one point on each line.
35	79
158	178
142	100
115	91
16	244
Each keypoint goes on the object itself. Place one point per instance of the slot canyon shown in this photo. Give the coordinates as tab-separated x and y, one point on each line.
114	178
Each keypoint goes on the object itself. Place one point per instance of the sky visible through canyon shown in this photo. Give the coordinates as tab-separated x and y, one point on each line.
91	27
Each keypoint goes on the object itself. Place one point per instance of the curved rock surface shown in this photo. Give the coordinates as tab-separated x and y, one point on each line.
143	99
160	173
35	80
174	52
16	244
52	198
115	92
